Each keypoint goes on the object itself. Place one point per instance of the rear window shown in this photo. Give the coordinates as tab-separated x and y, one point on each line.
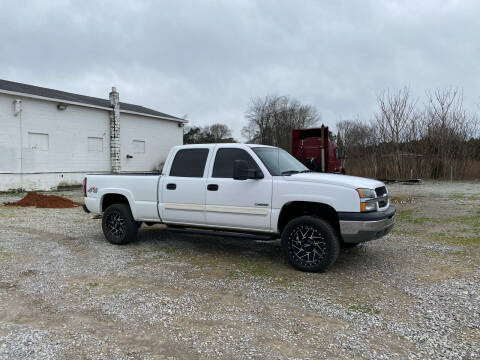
189	163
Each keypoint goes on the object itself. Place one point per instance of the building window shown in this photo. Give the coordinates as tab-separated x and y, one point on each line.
95	144
138	146
38	141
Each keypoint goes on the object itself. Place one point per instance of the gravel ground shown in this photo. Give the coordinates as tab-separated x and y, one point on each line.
66	293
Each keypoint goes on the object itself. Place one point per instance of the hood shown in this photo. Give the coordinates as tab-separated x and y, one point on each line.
352	182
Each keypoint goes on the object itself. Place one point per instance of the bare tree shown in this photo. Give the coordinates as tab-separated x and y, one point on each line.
220	132
359	142
272	118
448	127
394	124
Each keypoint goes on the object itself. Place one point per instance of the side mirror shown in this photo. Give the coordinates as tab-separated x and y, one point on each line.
242	172
255	174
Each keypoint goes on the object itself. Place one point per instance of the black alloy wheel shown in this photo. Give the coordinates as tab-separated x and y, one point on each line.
310	243
118	224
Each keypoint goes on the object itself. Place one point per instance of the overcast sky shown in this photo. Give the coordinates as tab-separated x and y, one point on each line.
207	59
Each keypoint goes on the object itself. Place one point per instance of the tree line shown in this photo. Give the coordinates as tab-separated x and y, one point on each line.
435	140
216	133
404	139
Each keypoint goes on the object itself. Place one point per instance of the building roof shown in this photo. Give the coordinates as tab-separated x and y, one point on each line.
62	96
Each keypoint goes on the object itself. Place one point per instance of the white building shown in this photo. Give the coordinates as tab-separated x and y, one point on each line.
51	138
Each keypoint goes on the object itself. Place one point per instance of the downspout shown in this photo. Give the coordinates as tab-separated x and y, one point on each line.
17	111
115	131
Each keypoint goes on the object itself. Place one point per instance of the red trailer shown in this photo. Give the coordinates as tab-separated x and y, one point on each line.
314	149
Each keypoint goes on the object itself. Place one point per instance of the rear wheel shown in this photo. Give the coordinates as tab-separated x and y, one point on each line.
310	244
118	224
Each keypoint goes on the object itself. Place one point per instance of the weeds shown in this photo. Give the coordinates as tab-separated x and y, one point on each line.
250	268
362	308
462	196
4	253
456	240
169	249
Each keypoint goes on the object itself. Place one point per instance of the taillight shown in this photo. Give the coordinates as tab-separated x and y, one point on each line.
84	187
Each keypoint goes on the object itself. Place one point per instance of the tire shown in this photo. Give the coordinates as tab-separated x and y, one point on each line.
306	254
118	224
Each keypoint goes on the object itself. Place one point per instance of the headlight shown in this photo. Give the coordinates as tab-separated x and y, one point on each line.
366	194
367	202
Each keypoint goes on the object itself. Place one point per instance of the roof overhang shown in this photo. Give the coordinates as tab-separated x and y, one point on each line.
37	97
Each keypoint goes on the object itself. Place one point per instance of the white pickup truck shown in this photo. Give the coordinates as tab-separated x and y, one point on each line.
252	189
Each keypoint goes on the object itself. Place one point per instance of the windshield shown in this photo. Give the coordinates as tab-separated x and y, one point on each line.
278	161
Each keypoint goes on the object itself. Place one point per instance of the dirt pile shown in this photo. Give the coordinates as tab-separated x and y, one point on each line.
44	201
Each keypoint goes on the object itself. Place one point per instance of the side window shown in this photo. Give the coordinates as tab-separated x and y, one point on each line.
189	163
223	166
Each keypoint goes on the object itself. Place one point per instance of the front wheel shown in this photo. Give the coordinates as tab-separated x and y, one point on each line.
118	224
310	244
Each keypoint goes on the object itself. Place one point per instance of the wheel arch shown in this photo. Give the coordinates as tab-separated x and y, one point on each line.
114	198
296	209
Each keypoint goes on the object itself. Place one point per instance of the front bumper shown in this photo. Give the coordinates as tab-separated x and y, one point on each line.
361	227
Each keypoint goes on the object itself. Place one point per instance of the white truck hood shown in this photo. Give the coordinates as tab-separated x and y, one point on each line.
352	182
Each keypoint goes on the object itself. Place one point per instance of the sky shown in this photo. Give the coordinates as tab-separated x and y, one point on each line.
208	59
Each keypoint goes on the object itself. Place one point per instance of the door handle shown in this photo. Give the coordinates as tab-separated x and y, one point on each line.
212	187
171	186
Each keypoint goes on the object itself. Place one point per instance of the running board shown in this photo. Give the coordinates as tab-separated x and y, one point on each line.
260	237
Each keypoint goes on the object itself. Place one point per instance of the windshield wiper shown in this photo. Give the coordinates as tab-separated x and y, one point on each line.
290	172
305	171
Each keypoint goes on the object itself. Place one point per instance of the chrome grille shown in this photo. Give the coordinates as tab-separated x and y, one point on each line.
382	193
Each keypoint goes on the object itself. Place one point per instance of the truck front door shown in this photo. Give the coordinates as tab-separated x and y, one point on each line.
244	204
183	188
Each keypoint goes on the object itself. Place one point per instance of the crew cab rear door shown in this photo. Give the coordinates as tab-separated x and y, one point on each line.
241	204
183	187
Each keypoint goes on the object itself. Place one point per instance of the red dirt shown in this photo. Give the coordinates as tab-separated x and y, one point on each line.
44	201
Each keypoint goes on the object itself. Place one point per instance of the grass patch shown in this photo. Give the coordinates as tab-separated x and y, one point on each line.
169	249
404	215
462	196
457	196
456	240
259	270
362	308
246	268
4	253
408	216
251	269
